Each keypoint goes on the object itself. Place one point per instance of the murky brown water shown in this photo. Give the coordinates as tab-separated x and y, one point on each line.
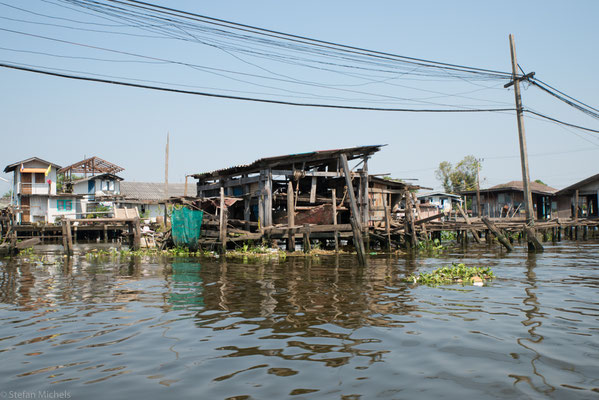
319	328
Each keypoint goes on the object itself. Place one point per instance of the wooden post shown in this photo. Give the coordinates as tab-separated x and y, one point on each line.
290	217
69	238
366	198
313	190
497	234
247	204
64	236
410	218
465	216
307	247
417	206
533	245
268	202
75	229
335	232
185	192
387	221
576	204
222	222
355	215
136	234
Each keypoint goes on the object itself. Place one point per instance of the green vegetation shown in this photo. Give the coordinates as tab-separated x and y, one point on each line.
430	247
448	235
461	177
456	273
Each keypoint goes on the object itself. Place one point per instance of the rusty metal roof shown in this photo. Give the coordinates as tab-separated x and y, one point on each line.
320	155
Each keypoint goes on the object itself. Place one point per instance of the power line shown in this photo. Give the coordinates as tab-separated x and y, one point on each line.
564	94
217	70
302	39
222	96
560	122
563	99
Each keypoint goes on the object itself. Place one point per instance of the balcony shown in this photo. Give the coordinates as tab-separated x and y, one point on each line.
33	188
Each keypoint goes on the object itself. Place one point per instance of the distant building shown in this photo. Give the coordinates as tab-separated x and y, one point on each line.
93	187
149	198
34	190
587	192
507	200
440	200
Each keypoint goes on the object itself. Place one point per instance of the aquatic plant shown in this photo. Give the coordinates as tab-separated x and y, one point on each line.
456	273
430	246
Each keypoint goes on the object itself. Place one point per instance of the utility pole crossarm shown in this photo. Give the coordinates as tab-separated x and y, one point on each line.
521	78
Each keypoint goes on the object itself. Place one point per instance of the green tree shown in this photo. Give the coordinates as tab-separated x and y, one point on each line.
460	177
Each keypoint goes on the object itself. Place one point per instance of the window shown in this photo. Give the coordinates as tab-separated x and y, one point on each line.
64	205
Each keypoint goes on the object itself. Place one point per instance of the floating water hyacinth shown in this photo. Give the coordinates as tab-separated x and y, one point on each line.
456	273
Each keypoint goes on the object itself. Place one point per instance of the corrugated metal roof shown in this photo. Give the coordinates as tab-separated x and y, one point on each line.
150	191
578	185
352	152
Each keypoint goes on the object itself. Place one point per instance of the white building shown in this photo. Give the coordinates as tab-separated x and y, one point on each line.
443	201
34	191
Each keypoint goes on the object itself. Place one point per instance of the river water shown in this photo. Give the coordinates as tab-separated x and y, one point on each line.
320	328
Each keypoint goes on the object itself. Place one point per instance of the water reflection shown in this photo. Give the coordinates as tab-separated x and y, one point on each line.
320	327
532	321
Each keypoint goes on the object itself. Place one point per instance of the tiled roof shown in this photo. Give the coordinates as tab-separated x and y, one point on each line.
518	185
150	191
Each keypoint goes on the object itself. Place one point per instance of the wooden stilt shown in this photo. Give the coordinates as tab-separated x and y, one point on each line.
222	222
136	234
290	217
306	240
387	221
469	222
69	237
355	215
335	233
497	234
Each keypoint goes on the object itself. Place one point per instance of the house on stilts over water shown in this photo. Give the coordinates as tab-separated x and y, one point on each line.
326	196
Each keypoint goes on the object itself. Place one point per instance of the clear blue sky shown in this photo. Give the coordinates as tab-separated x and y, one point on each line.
63	120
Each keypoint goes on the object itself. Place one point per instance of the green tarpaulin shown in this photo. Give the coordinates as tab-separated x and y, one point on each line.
186	226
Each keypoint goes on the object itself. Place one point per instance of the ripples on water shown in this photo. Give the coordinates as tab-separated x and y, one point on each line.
314	328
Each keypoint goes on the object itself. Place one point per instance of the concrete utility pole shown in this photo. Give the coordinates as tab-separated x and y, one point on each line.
166	167
478	204
533	243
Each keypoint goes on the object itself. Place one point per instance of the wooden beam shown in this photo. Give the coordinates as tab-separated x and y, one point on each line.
136	234
222	222
463	214
354	217
497	234
428	219
313	190
290	216
387	222
334	201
